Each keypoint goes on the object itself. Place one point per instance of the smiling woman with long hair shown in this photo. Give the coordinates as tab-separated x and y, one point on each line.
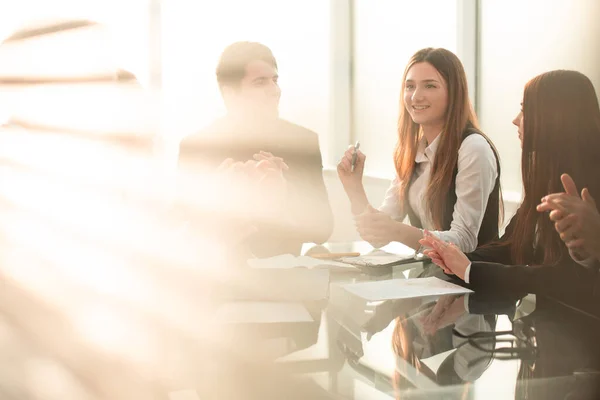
447	170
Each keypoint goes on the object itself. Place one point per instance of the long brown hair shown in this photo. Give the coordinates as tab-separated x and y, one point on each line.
561	134
459	117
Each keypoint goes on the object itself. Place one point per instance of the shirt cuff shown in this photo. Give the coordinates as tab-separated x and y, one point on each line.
467	302
459	240
588	262
467	273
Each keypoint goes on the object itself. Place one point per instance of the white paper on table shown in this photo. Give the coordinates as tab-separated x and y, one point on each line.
393	289
262	312
285	261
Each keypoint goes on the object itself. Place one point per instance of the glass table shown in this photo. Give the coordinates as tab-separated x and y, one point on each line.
471	346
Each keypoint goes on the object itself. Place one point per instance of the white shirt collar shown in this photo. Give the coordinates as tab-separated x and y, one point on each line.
427	153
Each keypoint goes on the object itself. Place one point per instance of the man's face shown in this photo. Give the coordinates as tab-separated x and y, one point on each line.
259	93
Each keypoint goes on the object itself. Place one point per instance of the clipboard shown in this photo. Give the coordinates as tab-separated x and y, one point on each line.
379	262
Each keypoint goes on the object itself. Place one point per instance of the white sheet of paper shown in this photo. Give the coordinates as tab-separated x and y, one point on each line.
284	261
262	312
404	288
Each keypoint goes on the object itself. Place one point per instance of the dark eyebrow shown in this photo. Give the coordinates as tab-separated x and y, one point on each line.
263	78
424	80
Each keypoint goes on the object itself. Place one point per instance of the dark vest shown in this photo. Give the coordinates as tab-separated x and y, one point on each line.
489	225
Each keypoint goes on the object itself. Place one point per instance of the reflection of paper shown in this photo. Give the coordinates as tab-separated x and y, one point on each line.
404	288
262	312
309	262
184	395
378	258
289	261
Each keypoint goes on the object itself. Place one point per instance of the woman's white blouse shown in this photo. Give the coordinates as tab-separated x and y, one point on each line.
477	173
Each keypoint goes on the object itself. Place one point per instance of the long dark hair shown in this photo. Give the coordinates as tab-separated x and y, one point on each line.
561	134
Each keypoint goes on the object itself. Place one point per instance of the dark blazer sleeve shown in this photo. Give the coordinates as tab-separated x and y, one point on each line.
311	211
566	281
489	302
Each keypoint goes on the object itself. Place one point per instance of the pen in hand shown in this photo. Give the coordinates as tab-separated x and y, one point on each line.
355	155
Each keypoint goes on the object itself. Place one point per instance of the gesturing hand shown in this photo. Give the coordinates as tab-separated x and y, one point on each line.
376	227
445	255
258	188
576	219
352	180
271	160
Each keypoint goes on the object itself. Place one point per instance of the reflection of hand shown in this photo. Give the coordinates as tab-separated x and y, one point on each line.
576	219
386	312
445	255
445	312
376	227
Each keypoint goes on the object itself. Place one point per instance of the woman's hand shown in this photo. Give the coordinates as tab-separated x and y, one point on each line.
377	228
352	180
445	255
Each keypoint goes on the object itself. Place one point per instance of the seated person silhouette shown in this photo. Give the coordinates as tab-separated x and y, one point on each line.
247	74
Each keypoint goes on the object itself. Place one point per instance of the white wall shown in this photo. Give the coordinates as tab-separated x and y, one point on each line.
196	32
521	39
344	229
387	33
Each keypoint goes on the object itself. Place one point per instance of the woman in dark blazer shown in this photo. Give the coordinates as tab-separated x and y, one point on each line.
559	127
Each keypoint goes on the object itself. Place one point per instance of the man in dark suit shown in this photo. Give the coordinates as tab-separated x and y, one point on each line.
247	74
